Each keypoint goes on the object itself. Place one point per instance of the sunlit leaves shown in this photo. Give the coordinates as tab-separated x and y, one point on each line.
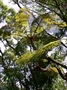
22	17
53	19
54	69
36	55
25	58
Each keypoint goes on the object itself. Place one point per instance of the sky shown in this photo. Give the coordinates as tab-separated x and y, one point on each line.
11	5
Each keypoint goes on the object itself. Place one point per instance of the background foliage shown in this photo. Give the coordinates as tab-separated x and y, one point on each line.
35	45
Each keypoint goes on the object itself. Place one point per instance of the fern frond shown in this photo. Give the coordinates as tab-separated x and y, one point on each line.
38	54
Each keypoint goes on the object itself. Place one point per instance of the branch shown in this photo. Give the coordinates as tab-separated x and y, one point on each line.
58	6
60	73
43	69
34	77
3	62
16	2
31	38
32	43
56	38
50	34
56	62
52	10
9	44
63	44
18	5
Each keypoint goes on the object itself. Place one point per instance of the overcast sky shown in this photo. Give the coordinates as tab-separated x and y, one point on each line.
11	5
